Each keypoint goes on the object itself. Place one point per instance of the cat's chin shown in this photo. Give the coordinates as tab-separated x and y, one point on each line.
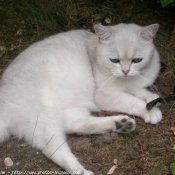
126	76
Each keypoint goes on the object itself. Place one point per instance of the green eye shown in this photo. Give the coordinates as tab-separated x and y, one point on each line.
115	60
136	60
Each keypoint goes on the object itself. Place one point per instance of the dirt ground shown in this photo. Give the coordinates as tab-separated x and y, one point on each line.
146	151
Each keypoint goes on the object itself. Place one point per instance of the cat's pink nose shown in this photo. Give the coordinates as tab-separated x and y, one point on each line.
125	71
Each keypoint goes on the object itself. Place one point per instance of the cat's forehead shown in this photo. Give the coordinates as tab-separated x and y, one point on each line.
125	41
122	51
125	28
124	34
124	47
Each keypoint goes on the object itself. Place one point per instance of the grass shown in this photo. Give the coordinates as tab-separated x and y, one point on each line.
148	150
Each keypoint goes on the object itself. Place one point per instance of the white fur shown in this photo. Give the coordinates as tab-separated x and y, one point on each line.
52	87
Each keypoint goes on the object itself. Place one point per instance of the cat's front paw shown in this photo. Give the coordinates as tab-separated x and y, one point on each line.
155	103
154	116
151	97
146	95
124	124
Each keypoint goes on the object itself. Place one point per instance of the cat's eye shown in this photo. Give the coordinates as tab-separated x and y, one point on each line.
136	60
115	60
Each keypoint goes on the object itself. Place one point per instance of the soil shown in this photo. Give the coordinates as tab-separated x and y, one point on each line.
146	151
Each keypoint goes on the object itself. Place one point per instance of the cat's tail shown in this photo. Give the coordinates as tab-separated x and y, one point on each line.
4	134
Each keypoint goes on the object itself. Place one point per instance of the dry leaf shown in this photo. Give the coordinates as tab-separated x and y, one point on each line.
23	145
115	162
172	121
111	171
173	129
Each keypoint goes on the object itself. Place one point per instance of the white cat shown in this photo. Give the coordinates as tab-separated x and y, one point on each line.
52	87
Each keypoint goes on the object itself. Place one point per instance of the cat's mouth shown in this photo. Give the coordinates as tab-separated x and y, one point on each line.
127	76
123	77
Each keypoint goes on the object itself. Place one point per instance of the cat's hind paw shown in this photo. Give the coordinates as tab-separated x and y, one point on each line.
124	124
83	172
154	117
88	173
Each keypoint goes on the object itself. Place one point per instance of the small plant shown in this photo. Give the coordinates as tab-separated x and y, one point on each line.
166	2
172	166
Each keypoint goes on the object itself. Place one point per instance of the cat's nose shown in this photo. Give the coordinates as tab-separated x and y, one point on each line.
125	71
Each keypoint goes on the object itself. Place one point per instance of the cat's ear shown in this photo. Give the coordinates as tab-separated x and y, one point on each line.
104	33
148	33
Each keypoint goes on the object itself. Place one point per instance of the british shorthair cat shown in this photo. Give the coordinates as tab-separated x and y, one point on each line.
52	88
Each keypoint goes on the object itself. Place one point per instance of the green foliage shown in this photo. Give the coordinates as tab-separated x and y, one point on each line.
172	166
32	20
166	2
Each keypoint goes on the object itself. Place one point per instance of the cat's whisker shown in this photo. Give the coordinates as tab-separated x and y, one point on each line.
82	126
48	142
35	128
64	141
107	73
57	149
105	82
132	109
155	88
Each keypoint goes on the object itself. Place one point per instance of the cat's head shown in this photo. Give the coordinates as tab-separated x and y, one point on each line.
125	50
